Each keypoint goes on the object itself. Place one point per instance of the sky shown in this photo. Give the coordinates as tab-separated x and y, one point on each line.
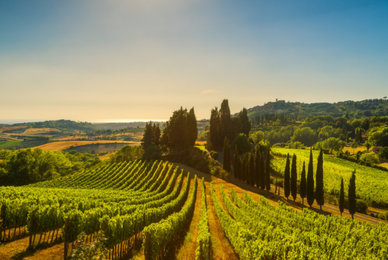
111	60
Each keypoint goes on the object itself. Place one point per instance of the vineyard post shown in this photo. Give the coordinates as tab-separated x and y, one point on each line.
3	217
65	242
147	246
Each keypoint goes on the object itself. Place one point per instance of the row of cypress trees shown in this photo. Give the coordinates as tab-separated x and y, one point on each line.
306	187
253	167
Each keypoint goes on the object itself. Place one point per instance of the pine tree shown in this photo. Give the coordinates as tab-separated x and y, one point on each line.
302	189
226	155
319	193
341	203
252	167
293	178
352	194
310	181
287	178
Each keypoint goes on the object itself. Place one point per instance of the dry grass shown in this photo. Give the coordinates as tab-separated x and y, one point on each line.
63	145
354	150
385	165
40	130
6	128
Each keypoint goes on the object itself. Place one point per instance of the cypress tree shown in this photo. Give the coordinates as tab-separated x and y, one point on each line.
268	171
352	194
226	155
192	127
225	119
215	129
319	193
246	167
341	203
287	178
310	181
293	177
236	166
302	190
257	168
245	124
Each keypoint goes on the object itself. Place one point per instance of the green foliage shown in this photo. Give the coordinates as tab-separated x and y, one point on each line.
305	135
242	143
29	166
73	226
319	192
352	194
87	251
158	235
257	136
245	124
331	144
181	130
310	180
226	162
127	153
294	178
214	155
371	182
202	250
150	142
383	153
378	136
303	184
341	203
297	110
222	125
369	158
286	184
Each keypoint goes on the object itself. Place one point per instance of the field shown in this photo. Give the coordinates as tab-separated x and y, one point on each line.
64	145
157	209
371	183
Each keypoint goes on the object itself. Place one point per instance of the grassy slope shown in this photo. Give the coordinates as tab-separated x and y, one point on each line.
63	145
371	183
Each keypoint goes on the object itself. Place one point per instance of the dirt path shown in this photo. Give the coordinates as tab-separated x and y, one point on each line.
14	248
220	246
55	253
187	250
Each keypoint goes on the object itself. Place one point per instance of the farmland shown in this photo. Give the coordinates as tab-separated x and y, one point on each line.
371	183
145	210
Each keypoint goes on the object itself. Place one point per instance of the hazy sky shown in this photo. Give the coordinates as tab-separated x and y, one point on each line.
141	59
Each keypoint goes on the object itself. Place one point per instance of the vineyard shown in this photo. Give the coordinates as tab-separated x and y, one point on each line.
371	183
144	209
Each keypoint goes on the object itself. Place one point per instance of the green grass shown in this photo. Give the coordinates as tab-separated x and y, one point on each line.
19	144
371	183
10	144
201	147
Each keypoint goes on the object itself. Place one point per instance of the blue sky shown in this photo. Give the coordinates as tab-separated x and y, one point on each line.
116	60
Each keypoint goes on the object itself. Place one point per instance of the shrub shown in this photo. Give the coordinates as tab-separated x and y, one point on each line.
214	155
369	158
361	206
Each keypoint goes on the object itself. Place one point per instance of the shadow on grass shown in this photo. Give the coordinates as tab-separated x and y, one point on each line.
31	251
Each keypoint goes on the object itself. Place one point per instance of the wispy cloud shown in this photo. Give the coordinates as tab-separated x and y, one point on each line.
208	91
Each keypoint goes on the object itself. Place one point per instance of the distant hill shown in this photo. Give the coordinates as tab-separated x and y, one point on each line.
117	126
63	125
298	110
